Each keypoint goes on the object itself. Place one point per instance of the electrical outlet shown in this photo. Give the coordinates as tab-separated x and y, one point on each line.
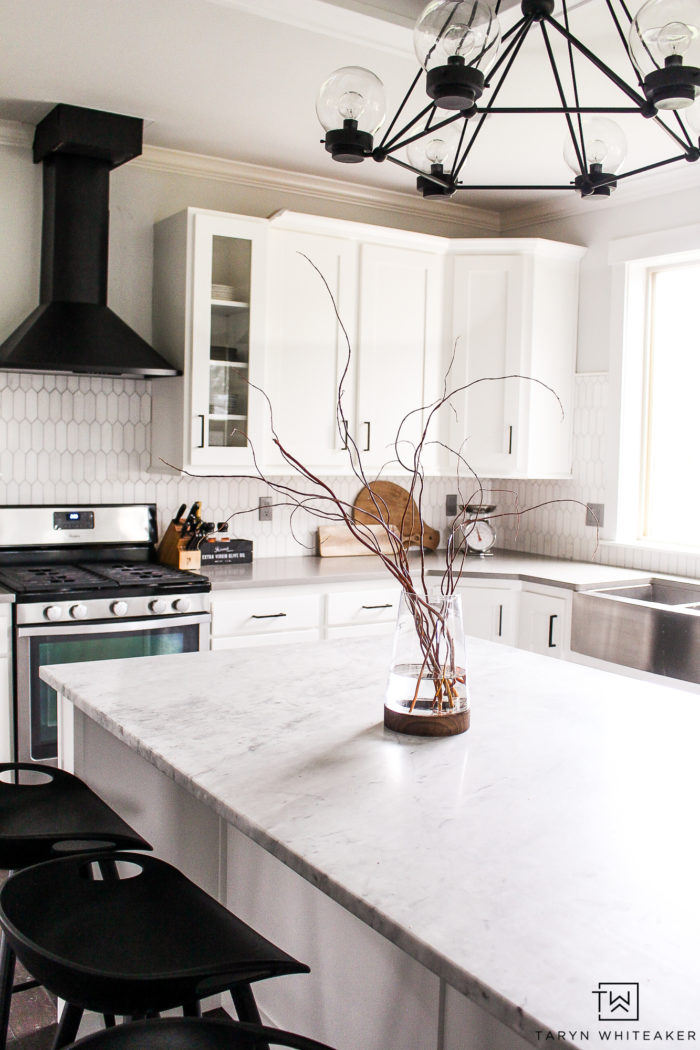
595	514
265	508
451	505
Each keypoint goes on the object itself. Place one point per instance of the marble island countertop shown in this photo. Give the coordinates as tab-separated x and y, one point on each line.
553	847
533	568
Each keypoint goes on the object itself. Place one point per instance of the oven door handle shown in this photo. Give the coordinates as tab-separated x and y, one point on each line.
141	626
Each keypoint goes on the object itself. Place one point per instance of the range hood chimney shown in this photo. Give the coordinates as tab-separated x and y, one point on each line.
73	329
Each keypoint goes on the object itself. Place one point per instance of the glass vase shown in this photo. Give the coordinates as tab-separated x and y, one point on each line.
427	691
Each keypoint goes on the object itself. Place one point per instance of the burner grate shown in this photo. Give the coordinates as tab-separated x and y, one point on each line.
48	578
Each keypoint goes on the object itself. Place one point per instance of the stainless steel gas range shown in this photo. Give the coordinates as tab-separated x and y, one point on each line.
88	586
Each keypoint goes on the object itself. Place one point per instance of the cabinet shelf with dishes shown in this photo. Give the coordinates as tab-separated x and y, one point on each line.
208	318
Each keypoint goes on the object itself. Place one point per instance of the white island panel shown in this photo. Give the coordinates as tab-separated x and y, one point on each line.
551	848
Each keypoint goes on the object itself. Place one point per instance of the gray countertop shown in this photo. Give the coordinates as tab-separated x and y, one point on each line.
552	847
533	568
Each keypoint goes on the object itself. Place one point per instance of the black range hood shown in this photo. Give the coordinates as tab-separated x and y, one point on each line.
73	329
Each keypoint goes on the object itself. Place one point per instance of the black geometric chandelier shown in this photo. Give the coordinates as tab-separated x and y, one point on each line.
464	62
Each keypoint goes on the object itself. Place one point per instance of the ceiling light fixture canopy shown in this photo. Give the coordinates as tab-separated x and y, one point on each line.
465	58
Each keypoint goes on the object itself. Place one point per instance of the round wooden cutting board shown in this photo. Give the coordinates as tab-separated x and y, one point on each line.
394	505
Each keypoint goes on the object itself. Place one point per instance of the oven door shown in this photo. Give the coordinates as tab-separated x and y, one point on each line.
36	702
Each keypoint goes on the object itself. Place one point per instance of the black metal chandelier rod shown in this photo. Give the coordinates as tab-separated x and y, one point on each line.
396	116
438	179
560	110
599	64
512	53
579	148
385	146
394	145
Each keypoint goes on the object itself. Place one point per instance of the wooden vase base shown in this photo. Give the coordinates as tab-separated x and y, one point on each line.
447	724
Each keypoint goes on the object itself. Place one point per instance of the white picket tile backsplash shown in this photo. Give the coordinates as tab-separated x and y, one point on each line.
70	439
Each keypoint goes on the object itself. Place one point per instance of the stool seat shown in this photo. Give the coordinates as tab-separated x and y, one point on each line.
141	940
45	812
182	1033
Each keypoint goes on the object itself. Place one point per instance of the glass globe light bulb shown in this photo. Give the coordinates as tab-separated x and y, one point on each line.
605	144
438	148
457	29
674	38
352	93
664	45
351	105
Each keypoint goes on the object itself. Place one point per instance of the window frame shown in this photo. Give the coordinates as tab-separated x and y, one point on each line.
633	260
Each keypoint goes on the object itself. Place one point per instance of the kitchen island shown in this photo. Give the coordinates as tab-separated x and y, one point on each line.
468	893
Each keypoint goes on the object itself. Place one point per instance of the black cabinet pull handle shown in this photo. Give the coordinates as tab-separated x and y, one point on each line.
388	605
510	441
551	643
500	621
367	435
201	433
266	616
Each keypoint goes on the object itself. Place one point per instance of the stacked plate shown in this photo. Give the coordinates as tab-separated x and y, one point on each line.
222	291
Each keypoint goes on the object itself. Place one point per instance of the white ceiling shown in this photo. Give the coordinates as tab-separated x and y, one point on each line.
238	79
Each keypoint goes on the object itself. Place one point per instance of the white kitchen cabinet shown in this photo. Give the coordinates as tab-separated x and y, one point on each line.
364	610
545	620
266	614
6	719
514	313
388	286
306	349
490	609
399	344
208	317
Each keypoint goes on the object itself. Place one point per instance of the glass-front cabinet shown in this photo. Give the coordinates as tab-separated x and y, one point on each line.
208	289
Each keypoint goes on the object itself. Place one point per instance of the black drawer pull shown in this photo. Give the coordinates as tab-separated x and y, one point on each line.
266	616
388	605
551	643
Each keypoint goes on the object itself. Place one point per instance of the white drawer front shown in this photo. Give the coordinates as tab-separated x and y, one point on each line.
363	606
266	614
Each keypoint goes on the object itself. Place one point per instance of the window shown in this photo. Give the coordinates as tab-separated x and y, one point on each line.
669	505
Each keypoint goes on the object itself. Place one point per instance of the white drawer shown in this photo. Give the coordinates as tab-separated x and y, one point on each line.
363	606
266	613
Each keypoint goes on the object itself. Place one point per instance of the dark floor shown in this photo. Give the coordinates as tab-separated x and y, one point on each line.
33	1014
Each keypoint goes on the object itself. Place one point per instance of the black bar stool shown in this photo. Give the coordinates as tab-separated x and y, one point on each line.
45	813
182	1033
133	938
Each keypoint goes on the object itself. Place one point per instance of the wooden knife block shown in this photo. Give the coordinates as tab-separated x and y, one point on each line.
172	550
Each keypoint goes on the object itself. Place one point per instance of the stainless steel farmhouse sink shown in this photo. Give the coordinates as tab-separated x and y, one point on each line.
653	626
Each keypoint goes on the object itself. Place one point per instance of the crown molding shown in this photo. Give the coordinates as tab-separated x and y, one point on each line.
640	188
362	25
14	133
315	187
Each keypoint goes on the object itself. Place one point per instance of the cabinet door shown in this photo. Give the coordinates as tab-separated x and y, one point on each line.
487	335
544	623
399	346
228	281
490	610
306	350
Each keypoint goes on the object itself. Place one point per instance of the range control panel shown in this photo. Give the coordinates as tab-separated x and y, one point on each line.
74	519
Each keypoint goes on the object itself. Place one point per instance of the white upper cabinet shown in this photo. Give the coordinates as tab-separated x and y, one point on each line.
514	313
208	312
399	362
388	287
307	352
242	306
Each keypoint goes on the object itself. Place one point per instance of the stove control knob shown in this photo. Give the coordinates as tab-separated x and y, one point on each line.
158	606
53	612
78	612
119	608
182	605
